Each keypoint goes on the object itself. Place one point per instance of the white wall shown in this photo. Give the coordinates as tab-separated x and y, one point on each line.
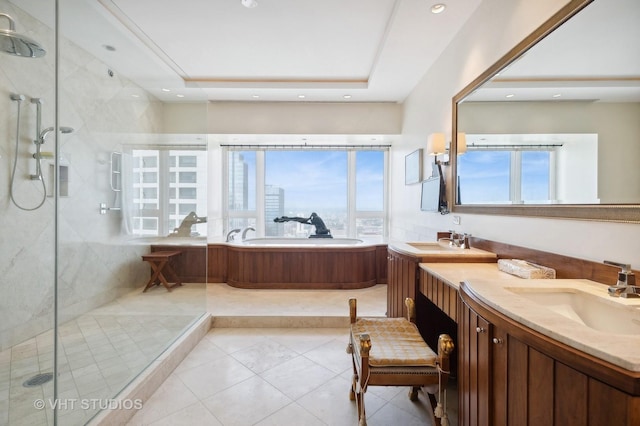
304	118
495	27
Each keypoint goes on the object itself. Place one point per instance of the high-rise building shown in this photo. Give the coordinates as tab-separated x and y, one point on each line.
273	207
238	182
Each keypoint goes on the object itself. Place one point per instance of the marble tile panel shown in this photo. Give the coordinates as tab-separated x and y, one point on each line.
264	355
331	403
246	402
171	397
290	415
298	376
208	379
195	414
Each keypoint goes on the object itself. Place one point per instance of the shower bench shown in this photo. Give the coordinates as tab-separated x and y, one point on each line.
160	264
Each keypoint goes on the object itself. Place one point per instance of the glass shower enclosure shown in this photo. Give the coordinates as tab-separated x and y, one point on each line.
78	210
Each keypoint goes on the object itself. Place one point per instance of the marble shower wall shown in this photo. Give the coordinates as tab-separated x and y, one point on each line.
94	264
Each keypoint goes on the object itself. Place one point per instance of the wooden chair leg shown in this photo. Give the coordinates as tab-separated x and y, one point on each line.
413	393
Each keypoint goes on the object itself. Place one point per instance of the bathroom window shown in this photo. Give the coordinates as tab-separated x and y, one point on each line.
166	185
344	186
506	176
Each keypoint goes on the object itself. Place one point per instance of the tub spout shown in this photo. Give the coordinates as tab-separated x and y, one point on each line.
231	234
244	232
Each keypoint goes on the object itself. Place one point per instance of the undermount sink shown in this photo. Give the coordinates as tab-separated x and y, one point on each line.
598	313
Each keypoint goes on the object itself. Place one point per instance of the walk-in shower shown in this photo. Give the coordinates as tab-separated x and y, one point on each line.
38	155
17	44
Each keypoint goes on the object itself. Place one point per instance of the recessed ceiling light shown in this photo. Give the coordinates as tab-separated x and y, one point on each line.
255	96
135	96
180	96
557	95
301	96
510	95
250	4
347	96
166	90
438	8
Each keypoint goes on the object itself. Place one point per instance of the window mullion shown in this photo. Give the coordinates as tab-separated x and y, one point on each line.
163	192
260	193
351	193
515	179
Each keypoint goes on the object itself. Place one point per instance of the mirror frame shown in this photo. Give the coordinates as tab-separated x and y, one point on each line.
628	213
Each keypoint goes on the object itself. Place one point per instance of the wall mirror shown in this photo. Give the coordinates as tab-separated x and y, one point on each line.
553	128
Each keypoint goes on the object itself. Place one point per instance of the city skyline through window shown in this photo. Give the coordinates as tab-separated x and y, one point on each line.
298	183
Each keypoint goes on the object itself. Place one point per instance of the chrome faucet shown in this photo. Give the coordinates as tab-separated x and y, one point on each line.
231	234
244	232
460	240
626	285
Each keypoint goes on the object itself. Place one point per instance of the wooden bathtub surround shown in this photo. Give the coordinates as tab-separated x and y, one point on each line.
282	267
315	268
402	359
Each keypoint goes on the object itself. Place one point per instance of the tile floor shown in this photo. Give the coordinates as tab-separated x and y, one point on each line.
298	374
100	352
273	357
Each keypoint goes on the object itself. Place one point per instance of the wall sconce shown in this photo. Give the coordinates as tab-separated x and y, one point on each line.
437	145
462	143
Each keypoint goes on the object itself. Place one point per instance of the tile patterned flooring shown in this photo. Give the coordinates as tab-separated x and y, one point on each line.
293	375
100	352
273	357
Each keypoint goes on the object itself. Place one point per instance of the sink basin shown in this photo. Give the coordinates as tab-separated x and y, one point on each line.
598	313
434	246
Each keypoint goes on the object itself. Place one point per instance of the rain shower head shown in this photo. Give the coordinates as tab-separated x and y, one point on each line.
18	44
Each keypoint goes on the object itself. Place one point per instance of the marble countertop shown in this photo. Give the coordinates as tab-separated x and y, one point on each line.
508	295
433	250
455	273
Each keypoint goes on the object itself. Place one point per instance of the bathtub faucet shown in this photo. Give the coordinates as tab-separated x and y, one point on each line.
231	234
184	230
321	230
245	230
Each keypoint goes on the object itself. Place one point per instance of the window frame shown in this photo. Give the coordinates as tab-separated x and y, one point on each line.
258	215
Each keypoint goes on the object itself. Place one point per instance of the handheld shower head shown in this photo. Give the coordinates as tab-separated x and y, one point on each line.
45	132
17	44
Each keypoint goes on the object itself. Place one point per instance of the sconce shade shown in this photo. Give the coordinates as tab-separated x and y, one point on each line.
436	144
461	143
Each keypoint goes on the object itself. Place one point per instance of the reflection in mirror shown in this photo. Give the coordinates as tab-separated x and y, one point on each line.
557	121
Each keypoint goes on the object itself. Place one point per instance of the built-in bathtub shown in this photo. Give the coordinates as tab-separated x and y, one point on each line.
309	263
303	242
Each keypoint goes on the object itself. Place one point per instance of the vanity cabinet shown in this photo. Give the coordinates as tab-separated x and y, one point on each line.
509	374
402	279
482	350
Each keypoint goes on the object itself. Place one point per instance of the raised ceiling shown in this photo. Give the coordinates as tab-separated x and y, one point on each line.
219	50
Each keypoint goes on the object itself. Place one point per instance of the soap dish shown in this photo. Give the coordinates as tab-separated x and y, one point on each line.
524	269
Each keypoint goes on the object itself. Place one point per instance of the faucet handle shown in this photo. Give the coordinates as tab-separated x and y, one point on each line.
625	266
625	277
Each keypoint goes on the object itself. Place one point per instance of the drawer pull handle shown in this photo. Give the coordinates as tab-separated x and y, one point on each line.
497	341
479	330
